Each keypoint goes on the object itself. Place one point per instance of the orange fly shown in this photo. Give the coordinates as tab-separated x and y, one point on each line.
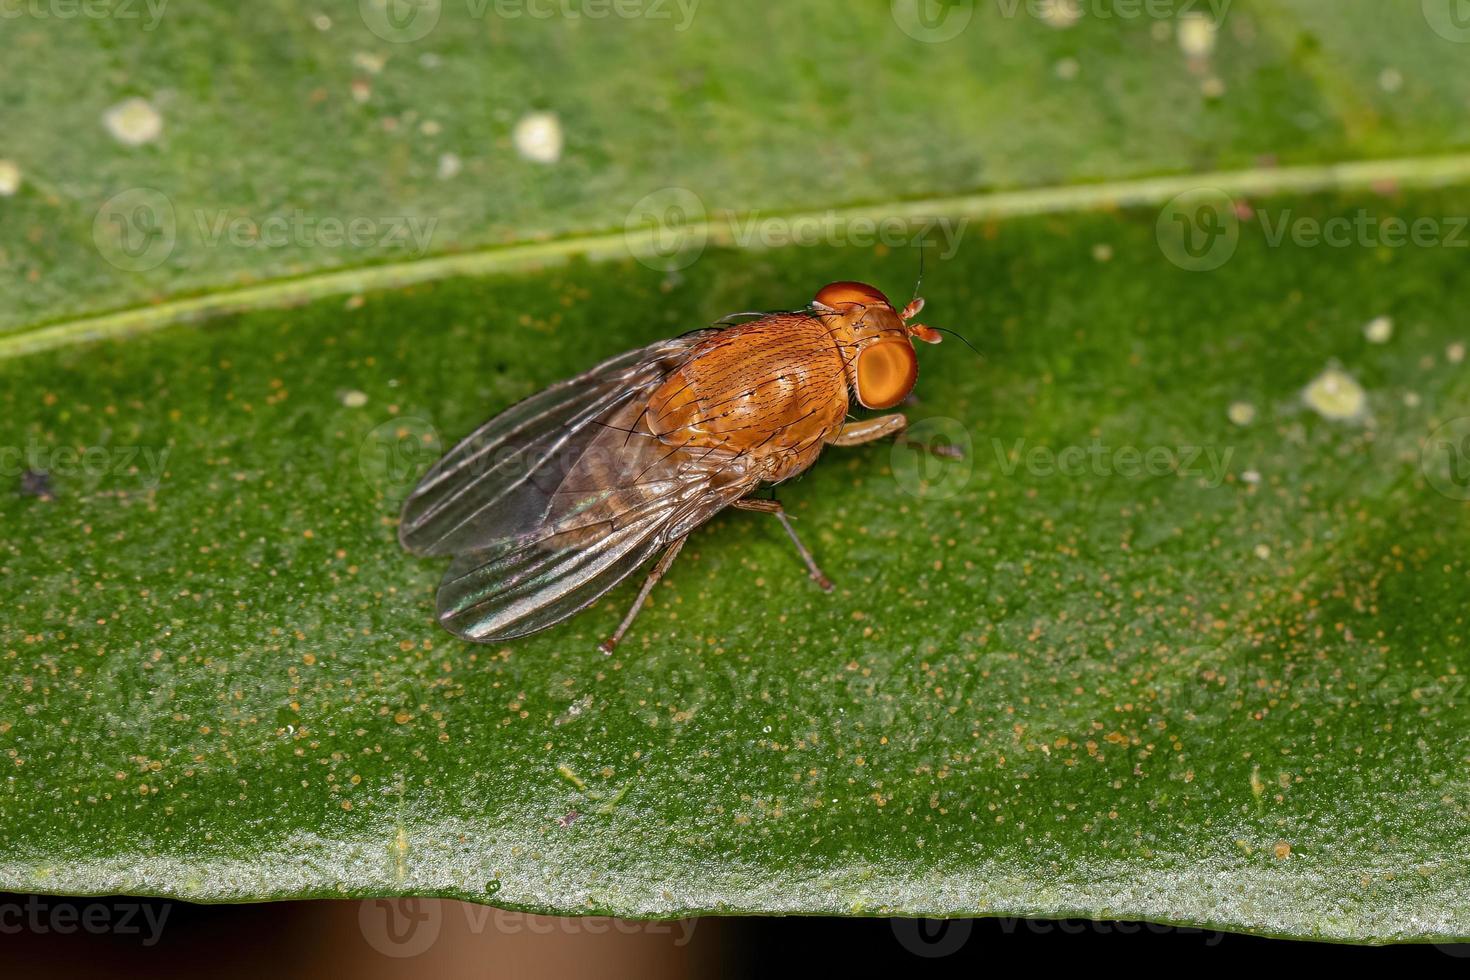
560	497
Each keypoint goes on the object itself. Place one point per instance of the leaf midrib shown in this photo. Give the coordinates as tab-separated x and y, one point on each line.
1406	172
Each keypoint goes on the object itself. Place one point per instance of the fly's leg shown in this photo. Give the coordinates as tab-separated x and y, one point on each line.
870	430
774	507
611	643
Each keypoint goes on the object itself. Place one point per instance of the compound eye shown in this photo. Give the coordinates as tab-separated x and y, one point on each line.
838	295
886	373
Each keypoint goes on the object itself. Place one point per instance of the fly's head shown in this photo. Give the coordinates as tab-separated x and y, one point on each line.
876	340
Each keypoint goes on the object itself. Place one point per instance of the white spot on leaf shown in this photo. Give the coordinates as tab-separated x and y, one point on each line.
369	62
1061	13
1334	394
9	178
538	137
1379	330
1196	35
133	122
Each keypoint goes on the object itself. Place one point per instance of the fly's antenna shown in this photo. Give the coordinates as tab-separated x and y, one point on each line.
956	333
920	282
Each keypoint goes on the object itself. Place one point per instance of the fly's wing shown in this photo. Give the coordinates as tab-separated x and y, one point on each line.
498	483
628	496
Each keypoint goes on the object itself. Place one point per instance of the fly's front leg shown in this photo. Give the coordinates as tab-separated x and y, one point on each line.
871	430
774	507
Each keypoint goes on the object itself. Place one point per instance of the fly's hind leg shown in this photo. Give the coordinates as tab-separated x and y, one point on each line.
611	643
774	507
871	430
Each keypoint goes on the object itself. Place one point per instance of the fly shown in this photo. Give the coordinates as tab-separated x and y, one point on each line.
556	500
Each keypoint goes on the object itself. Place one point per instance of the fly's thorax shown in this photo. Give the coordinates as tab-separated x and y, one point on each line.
765	388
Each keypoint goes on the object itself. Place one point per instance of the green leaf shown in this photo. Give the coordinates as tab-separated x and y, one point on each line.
1173	642
279	121
1227	696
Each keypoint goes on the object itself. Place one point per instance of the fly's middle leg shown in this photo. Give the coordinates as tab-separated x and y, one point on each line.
774	507
611	643
871	430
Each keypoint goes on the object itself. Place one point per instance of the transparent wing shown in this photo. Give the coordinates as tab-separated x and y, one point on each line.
498	483
627	497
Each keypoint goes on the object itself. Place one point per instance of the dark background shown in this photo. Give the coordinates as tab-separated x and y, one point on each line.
311	939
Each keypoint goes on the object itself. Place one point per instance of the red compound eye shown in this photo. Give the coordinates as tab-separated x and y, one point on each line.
886	373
